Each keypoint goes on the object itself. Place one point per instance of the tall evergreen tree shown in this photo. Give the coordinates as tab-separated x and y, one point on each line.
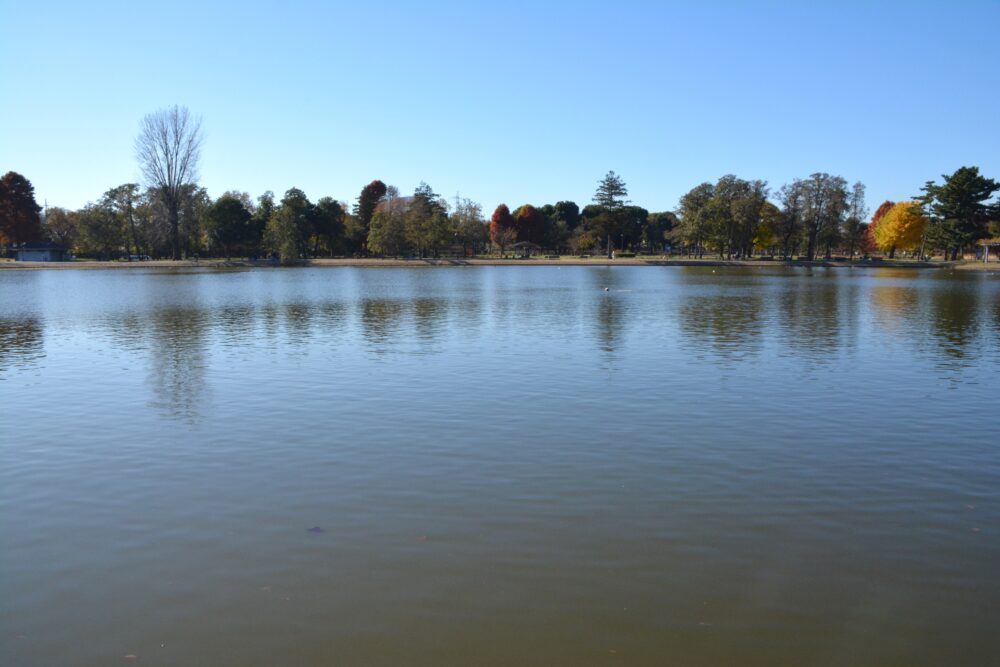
958	208
20	218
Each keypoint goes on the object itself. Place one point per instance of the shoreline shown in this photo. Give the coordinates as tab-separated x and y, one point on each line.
446	262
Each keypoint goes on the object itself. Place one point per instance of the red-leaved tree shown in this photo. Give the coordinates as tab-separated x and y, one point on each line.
503	228
530	224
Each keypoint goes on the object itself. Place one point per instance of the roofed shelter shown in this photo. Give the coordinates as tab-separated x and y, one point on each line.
990	243
42	251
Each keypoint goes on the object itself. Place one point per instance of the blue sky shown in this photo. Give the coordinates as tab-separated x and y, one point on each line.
503	102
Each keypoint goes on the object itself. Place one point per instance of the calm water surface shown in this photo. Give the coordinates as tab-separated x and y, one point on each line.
500	466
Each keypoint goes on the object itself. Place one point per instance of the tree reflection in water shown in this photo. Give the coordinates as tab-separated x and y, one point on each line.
609	319
178	339
727	325
21	342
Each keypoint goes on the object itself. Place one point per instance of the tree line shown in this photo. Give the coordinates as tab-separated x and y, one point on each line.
169	215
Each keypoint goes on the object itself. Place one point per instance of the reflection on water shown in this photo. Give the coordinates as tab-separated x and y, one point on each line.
815	315
20	341
955	312
729	325
508	465
380	322
179	360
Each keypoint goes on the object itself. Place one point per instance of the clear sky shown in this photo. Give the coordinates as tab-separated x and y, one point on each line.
503	102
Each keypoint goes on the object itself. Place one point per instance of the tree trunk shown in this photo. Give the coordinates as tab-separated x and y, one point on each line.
175	237
811	249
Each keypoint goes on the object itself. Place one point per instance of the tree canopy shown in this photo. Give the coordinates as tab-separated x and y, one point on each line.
20	219
958	208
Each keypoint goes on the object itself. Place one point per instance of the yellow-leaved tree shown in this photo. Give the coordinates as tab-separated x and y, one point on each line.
902	228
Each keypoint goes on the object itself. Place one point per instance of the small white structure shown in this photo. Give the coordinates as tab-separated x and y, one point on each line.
987	244
42	251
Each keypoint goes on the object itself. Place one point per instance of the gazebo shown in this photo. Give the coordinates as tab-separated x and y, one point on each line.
990	243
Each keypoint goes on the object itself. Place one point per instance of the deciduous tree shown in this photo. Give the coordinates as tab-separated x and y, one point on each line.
387	232
854	224
824	204
693	212
168	149
530	224
329	222
880	212
61	226
469	224
228	223
123	201
902	227
503	229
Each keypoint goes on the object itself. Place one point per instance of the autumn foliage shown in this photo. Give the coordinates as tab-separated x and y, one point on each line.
530	224
869	242
503	227
901	228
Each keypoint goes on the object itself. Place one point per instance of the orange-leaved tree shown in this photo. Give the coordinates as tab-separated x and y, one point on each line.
503	228
530	224
901	228
869	241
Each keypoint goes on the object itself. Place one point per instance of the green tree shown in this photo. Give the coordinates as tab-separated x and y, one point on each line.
258	221
20	219
101	233
387	231
825	202
194	204
61	226
611	196
329	224
788	226
365	206
427	226
958	209
658	229
470	226
693	228
567	212
303	214
228	223
123	201
282	234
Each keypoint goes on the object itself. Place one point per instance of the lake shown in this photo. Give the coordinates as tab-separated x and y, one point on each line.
499	466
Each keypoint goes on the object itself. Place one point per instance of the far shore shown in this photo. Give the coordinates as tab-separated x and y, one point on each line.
217	263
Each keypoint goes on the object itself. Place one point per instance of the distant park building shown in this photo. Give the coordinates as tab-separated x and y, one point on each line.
42	251
990	246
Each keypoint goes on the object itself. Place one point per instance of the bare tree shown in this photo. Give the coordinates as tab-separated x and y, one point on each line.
168	149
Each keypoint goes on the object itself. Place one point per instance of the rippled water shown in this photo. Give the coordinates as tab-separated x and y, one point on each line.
500	465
